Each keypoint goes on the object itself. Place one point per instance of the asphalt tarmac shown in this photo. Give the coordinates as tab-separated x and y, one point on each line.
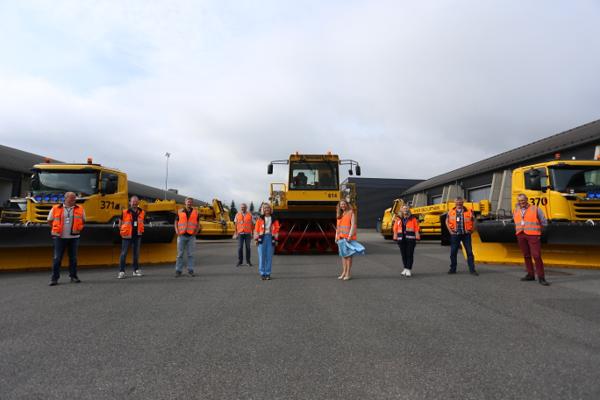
225	334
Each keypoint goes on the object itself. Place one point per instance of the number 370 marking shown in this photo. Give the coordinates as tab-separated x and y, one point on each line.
536	201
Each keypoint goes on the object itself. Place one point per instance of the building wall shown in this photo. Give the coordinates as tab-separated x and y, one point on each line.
375	195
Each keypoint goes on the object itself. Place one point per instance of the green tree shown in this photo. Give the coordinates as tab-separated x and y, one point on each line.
251	207
232	210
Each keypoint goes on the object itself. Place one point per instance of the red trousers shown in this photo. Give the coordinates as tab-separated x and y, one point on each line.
531	246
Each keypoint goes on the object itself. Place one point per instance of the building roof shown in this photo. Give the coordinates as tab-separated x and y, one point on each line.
583	134
18	160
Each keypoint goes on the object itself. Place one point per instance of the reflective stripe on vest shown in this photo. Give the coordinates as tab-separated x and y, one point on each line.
530	223
259	228
57	220
185	226
467	216
243	223
126	230
412	227
344	225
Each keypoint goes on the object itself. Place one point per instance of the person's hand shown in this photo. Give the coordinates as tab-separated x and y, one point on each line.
395	237
235	236
418	236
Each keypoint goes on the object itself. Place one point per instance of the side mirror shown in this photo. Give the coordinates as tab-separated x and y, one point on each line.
350	172
270	169
358	170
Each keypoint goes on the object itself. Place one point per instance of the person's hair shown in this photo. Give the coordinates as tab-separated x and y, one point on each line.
338	209
459	198
243	204
522	195
189	198
262	213
134	197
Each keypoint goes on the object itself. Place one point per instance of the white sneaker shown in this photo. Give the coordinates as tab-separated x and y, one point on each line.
138	272
408	273
121	275
403	273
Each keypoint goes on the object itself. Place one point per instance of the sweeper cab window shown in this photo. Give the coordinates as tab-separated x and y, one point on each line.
313	176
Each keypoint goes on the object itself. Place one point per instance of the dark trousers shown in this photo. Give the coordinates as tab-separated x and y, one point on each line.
60	245
244	238
135	244
455	241
407	249
531	246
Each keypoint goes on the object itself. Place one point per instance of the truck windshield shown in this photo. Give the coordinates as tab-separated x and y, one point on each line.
84	182
576	178
314	176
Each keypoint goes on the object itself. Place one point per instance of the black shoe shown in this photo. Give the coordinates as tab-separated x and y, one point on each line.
268	277
238	265
53	283
177	274
191	273
75	279
528	278
543	282
263	278
451	271
250	264
474	273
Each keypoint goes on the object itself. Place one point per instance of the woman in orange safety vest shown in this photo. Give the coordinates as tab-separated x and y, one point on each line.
406	233
266	234
345	237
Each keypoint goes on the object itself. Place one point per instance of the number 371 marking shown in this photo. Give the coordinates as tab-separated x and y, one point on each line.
106	204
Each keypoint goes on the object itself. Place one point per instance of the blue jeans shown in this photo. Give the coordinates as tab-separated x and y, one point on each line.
244	239
265	255
135	244
455	241
185	244
59	250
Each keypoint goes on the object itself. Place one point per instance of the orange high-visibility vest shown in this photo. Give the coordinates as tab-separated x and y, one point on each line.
243	223
57	220
344	224
187	226
529	224
412	227
467	215
259	228
127	224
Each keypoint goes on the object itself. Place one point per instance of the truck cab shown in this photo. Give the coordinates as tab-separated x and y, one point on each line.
101	191
566	190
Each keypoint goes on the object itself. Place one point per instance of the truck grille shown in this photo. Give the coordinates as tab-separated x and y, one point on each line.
587	210
41	211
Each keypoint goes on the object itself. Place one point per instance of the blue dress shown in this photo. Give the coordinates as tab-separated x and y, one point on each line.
348	248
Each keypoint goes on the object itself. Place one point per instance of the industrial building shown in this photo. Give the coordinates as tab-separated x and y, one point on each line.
375	195
15	176
489	178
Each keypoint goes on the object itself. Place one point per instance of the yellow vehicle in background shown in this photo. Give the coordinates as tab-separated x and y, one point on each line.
387	222
104	193
306	205
430	217
568	191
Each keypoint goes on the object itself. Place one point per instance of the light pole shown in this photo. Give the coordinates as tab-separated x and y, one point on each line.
167	174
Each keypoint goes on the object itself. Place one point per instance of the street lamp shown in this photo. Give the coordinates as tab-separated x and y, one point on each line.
167	174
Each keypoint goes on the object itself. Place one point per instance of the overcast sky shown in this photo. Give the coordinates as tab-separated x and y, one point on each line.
410	89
